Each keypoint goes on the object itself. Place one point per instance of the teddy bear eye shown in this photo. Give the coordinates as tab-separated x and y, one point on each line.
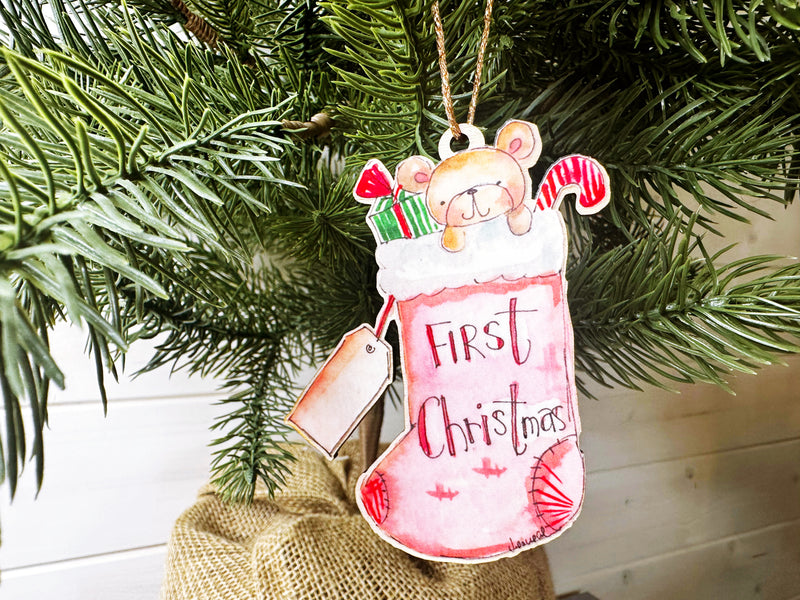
441	203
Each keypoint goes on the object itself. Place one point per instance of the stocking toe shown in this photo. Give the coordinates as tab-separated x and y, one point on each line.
375	497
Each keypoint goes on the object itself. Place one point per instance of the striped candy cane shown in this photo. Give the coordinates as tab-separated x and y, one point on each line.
579	175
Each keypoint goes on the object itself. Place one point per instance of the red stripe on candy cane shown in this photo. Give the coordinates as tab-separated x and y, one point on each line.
587	177
544	197
600	186
559	171
578	167
551	179
577	174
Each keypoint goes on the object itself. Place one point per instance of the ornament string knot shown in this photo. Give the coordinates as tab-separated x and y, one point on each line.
447	95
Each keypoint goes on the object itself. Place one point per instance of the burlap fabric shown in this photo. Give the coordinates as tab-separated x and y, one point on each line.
310	542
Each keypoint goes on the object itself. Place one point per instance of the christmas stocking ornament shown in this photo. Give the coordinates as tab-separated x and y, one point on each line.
488	463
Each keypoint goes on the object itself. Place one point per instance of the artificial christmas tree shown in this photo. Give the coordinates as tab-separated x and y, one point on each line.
159	179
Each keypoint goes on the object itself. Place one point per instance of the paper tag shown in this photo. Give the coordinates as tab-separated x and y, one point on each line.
343	390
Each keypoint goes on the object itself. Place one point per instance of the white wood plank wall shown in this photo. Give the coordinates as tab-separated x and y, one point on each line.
113	486
689	496
694	496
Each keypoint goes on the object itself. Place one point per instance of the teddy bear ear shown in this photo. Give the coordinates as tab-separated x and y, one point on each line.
414	174
521	140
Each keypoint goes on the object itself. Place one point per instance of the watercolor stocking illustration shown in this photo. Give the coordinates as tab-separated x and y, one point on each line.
472	270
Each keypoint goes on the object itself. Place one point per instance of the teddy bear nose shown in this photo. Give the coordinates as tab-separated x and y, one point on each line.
472	191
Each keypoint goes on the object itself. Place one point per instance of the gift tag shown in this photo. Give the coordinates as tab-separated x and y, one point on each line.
343	390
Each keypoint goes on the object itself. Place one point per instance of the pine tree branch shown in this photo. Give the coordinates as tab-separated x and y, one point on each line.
260	351
271	327
398	87
196	24
666	152
661	310
319	126
147	189
110	207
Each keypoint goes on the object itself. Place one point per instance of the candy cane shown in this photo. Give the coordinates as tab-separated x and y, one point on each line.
579	175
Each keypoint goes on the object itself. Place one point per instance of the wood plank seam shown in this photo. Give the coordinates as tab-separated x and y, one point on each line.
739	449
81	561
689	548
216	394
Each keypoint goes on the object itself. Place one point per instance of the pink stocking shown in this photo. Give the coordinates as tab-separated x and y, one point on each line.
489	463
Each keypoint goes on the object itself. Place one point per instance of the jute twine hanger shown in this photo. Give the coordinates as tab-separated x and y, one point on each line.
476	84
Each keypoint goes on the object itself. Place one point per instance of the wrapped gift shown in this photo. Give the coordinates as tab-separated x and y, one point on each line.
401	215
395	212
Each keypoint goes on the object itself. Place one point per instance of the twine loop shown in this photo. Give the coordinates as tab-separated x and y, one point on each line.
476	84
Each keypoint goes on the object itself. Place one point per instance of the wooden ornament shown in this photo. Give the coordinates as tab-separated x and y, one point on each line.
488	464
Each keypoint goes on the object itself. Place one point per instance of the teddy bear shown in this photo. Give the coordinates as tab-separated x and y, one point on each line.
478	184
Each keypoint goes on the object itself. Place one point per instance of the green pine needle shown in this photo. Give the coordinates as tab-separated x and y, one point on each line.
148	187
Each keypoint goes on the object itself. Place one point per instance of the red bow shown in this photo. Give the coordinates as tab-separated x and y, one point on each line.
374	182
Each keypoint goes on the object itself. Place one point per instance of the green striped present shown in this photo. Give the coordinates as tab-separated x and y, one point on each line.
405	217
